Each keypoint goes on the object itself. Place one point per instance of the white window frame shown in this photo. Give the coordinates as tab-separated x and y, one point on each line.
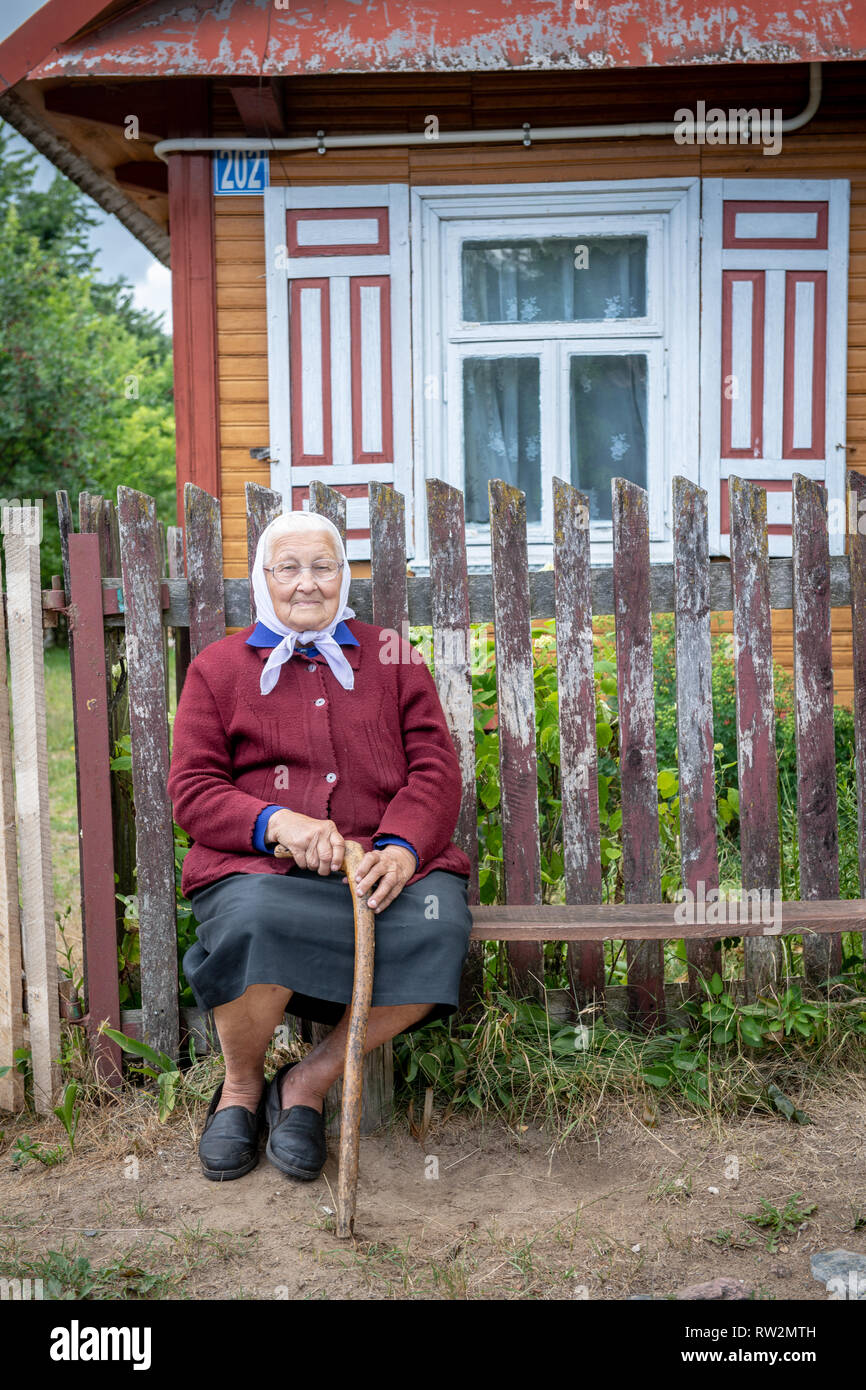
668	211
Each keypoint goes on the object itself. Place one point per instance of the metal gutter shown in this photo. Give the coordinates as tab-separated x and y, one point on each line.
526	135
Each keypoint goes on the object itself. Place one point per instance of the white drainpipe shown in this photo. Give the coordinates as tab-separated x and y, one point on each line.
525	135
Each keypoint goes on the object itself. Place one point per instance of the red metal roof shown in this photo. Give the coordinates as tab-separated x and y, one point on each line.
249	37
28	45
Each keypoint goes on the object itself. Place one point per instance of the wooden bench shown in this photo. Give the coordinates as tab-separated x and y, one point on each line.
116	585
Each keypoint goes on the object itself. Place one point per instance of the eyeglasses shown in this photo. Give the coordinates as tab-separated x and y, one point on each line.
289	571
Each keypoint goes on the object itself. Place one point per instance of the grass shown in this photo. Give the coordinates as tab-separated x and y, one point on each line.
522	1069
145	1270
115	1126
481	1264
63	800
62	795
515	1062
779	1223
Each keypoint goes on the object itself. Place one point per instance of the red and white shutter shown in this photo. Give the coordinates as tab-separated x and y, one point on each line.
774	275
339	350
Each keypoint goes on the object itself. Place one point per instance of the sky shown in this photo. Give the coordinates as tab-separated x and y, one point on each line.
119	253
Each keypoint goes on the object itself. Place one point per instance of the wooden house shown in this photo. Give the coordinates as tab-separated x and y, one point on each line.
519	241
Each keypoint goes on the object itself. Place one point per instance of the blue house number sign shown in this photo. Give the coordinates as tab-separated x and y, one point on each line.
240	172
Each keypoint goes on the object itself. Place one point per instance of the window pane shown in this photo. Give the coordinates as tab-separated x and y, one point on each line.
608	397
554	279
501	431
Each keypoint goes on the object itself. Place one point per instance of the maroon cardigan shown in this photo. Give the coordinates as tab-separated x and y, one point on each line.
385	746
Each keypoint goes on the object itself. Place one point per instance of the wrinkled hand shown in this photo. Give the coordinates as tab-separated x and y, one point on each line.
315	844
387	870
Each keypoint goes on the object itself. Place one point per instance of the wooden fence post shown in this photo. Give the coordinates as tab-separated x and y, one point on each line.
578	746
263	506
38	927
204	562
11	973
515	702
699	857
99	516
176	570
637	745
817	832
67	528
162	565
449	603
142	569
90	696
756	719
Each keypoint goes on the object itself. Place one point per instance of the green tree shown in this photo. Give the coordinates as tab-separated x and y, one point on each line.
85	378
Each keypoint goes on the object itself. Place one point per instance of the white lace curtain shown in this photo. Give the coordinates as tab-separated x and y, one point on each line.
554	280
502	431
608	424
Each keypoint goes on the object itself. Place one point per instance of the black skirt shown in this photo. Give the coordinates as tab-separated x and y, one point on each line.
298	930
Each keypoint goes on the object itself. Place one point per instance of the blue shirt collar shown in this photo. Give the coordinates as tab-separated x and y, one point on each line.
262	636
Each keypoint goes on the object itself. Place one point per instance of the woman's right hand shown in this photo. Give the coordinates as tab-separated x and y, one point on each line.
315	844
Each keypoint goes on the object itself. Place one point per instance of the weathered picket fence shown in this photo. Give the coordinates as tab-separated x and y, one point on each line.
120	604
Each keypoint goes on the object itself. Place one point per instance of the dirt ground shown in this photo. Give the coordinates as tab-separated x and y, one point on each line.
476	1211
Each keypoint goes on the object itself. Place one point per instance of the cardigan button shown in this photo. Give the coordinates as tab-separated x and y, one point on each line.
330	776
320	701
311	666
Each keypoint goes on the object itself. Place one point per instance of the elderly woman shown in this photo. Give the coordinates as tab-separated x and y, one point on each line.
306	729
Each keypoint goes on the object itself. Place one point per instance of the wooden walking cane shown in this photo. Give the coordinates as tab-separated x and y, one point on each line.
359	1017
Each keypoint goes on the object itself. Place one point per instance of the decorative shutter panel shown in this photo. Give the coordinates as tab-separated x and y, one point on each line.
774	279
339	358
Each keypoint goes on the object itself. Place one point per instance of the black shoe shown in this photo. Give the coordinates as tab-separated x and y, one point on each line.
229	1143
296	1142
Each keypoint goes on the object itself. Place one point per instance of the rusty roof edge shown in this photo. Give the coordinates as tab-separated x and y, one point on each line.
90	180
41	35
241	38
37	37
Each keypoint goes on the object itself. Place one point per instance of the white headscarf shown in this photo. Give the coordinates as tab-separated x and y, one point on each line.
324	637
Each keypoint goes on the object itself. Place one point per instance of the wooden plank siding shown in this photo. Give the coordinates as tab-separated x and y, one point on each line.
833	145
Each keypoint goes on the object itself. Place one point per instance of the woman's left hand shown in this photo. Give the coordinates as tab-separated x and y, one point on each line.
387	870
